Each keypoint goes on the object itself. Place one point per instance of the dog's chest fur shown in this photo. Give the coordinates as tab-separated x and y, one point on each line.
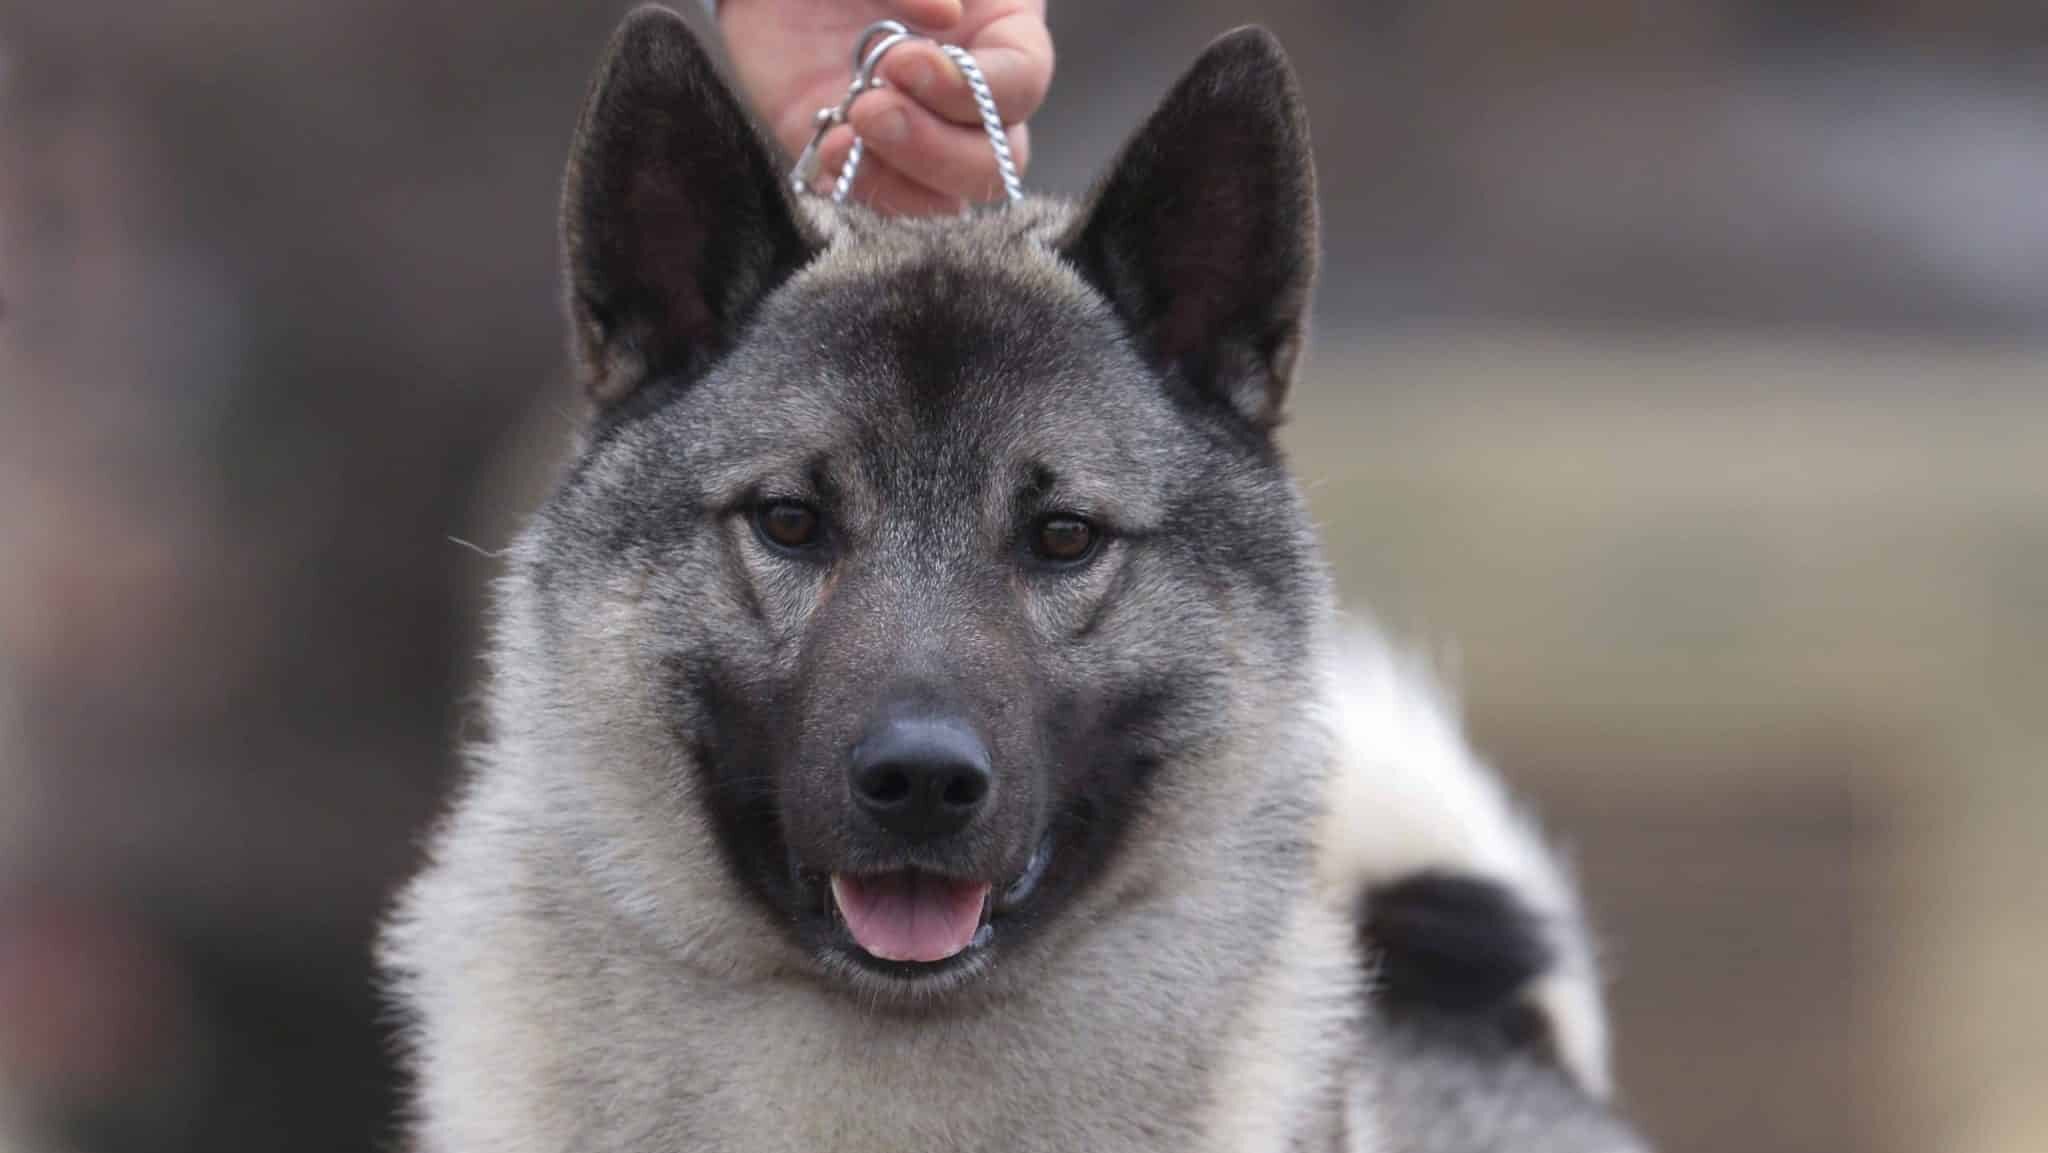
558	1027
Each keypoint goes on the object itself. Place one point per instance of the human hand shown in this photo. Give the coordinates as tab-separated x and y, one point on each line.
925	151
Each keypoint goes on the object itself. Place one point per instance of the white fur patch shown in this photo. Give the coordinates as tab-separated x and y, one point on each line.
1411	795
1293	1025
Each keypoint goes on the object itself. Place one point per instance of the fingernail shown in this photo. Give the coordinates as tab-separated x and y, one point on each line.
918	77
891	127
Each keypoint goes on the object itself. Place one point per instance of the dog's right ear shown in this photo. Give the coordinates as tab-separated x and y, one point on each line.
675	219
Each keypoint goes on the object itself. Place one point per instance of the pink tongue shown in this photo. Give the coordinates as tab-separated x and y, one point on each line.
910	916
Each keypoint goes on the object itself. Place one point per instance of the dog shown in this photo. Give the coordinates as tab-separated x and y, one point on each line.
919	719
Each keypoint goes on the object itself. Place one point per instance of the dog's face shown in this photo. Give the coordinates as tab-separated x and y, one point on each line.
918	562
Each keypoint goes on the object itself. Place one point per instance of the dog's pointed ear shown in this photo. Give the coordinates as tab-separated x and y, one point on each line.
675	219
1203	236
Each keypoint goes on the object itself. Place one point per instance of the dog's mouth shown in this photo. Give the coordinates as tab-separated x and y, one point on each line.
911	916
913	920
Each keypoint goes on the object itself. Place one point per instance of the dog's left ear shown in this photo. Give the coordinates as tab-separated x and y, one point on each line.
675	221
1203	236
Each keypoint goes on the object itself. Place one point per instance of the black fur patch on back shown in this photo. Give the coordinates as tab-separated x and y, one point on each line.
1442	944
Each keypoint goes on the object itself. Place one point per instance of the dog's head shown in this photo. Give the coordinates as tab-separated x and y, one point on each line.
920	582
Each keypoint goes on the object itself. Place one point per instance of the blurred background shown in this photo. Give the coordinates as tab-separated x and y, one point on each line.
1681	382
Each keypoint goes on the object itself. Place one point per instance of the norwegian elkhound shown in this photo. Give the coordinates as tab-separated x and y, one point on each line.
918	720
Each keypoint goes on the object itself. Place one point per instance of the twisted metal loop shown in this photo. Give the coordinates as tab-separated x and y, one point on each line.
875	43
991	119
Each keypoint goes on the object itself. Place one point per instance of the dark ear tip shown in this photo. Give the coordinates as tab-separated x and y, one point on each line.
1252	48
1250	40
1249	65
655	36
651	20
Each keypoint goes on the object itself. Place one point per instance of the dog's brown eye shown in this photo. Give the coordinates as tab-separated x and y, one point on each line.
1064	539
787	524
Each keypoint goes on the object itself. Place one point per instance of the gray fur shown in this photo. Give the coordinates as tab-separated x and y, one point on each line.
1439	1091
599	958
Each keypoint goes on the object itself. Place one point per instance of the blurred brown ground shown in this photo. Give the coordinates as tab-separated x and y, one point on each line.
1681	380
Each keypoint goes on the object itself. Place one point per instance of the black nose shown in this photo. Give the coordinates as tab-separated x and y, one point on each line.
921	777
